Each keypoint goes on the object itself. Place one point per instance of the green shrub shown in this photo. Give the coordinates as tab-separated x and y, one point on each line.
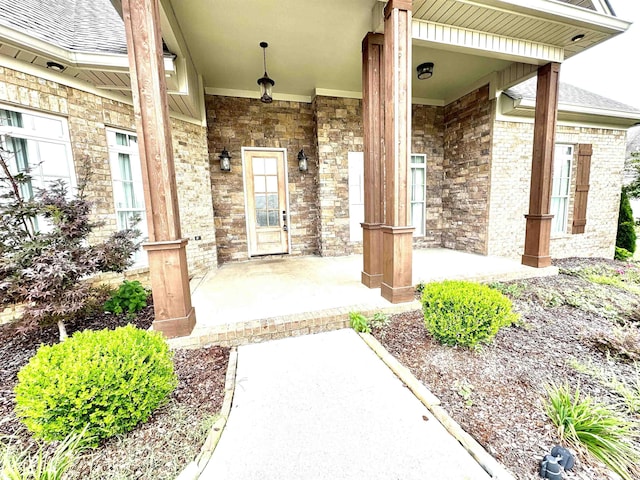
465	313
602	431
622	254
359	322
130	298
626	237
107	381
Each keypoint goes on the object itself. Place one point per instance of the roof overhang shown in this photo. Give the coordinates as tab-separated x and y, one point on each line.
525	108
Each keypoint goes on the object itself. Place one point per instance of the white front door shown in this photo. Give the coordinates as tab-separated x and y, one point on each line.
266	201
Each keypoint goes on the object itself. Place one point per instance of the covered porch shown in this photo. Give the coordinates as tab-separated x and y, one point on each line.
344	85
276	297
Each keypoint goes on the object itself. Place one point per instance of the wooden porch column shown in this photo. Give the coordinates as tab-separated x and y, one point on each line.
538	233
174	314
373	123
397	234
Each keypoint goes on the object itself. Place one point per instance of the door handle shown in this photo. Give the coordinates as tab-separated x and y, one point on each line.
284	216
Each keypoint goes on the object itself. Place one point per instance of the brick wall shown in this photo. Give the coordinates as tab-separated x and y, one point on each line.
511	176
88	115
467	162
339	131
234	123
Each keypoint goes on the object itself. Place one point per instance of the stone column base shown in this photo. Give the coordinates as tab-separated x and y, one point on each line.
372	254
397	273
174	314
536	243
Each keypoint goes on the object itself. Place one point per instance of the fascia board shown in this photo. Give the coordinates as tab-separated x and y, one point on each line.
558	11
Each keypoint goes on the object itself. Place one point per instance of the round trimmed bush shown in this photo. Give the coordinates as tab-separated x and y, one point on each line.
107	380
465	313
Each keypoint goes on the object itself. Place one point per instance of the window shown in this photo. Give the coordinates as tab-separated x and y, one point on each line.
417	179
128	192
356	195
37	143
563	156
418	176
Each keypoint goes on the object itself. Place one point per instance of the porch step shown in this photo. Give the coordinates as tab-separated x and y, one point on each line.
255	331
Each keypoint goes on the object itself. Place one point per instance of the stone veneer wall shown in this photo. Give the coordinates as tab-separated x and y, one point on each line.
339	131
467	163
427	136
234	123
511	177
88	115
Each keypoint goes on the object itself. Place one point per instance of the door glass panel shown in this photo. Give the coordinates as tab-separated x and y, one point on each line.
258	166
261	218
270	166
258	183
272	183
261	202
272	200
273	218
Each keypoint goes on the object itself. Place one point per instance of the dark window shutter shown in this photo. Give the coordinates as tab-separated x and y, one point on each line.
582	188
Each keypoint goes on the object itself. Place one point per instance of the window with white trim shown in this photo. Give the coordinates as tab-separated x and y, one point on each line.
418	178
562	159
128	193
38	144
355	162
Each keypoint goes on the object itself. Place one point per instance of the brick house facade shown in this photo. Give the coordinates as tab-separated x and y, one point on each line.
477	182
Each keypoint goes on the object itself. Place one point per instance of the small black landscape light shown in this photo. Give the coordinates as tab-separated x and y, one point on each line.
225	161
303	164
425	70
266	84
578	37
55	66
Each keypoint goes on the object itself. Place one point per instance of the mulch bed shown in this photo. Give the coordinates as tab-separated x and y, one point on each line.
199	394
496	393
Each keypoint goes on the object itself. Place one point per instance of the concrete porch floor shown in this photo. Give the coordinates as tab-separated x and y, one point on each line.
270	298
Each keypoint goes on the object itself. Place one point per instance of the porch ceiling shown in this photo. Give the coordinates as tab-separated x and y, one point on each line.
316	45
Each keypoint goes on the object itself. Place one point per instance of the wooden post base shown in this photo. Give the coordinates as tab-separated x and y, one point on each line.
536	247
372	254
174	314
397	274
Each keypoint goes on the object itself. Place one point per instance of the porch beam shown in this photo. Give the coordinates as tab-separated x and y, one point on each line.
373	123
397	234
538	229
174	314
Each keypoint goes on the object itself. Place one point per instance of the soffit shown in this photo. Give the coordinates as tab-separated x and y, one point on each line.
545	22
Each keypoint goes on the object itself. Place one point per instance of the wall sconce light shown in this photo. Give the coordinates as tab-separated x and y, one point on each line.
425	70
266	84
303	161
225	161
55	66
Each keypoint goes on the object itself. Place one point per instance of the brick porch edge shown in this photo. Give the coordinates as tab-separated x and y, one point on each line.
235	334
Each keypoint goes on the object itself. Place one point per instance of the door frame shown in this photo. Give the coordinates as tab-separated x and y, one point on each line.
286	188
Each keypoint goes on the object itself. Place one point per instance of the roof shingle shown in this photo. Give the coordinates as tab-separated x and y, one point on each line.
89	26
570	95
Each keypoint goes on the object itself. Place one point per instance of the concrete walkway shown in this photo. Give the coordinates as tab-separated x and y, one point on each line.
325	407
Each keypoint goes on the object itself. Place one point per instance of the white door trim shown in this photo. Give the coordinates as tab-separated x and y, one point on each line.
286	187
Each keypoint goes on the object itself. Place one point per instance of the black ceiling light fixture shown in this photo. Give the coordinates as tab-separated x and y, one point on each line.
55	66
266	84
577	38
425	70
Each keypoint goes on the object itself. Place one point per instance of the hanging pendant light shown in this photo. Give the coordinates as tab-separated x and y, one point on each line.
266	84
